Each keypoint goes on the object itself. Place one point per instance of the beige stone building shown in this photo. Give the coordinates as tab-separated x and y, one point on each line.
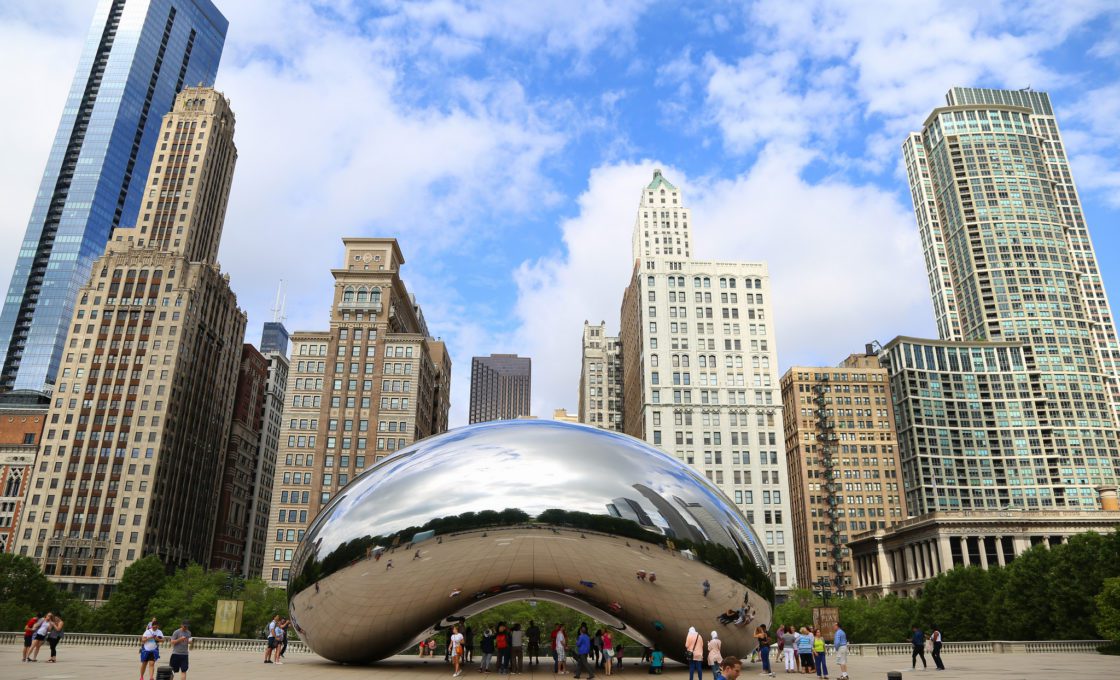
600	378
900	559
843	462
699	368
140	419
372	384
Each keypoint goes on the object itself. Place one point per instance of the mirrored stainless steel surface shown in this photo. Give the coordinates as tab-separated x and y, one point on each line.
485	514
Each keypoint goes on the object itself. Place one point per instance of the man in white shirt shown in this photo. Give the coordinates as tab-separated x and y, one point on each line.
149	649
270	649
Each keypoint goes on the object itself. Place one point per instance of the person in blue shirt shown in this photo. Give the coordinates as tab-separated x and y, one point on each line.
583	648
840	645
656	661
918	643
729	668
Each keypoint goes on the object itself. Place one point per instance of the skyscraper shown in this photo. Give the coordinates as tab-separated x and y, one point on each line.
139	54
699	362
843	462
600	378
138	428
1016	404
372	384
501	387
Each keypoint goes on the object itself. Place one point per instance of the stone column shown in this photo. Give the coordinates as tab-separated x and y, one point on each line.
1021	544
944	553
908	563
966	561
999	551
983	552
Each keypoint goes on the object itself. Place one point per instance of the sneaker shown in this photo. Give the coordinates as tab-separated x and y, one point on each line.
281	663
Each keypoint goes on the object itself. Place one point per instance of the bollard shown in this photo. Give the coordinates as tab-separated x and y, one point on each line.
164	673
894	675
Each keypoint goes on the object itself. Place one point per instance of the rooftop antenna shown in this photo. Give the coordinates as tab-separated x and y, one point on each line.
281	301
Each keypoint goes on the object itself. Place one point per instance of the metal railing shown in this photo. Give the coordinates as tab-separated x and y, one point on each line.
200	643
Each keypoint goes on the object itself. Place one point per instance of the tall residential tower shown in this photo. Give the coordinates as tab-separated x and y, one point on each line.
138	56
1016	404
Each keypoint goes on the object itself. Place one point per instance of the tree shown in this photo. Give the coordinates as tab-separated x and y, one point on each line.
127	611
190	593
24	591
951	600
261	604
1108	610
1076	576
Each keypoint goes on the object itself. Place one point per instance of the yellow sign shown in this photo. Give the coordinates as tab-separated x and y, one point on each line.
227	617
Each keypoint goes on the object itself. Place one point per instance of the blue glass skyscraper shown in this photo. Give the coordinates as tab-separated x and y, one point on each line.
138	55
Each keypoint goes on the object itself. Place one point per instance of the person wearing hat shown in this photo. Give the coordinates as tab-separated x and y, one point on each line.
181	641
149	649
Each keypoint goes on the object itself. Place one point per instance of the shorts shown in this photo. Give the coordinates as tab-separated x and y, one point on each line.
179	663
807	660
147	655
27	640
40	637
272	643
559	655
842	654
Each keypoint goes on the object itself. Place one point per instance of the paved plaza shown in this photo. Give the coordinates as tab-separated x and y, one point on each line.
121	663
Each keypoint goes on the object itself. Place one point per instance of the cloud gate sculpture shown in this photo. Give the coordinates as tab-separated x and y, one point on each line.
528	509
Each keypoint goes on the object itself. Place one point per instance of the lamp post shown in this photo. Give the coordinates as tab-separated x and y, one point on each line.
823	589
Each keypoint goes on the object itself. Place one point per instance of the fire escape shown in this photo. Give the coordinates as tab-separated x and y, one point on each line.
826	448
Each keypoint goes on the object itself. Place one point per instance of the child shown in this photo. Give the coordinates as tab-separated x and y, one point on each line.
656	661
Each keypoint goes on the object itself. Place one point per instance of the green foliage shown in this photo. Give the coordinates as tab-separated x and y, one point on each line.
261	604
952	600
1108	609
127	608
882	620
191	594
24	592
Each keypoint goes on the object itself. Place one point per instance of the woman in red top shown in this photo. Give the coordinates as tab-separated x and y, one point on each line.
28	633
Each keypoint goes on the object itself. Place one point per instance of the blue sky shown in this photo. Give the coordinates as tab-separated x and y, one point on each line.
505	145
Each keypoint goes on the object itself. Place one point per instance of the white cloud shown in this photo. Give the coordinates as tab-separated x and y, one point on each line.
845	263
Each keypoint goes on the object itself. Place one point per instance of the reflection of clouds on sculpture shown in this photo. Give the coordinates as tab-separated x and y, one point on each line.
520	510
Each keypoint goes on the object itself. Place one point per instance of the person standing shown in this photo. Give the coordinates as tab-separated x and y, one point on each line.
501	642
29	634
181	642
534	636
270	648
789	649
694	651
707	587
456	651
715	655
819	654
583	648
608	651
918	647
763	637
468	644
558	641
516	638
597	649
805	650
149	649
42	627
934	636
840	646
287	629
280	633
54	636
487	650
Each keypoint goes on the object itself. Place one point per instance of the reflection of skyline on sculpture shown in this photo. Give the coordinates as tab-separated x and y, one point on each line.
539	507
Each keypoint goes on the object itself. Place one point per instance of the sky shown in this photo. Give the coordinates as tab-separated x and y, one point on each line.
505	144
